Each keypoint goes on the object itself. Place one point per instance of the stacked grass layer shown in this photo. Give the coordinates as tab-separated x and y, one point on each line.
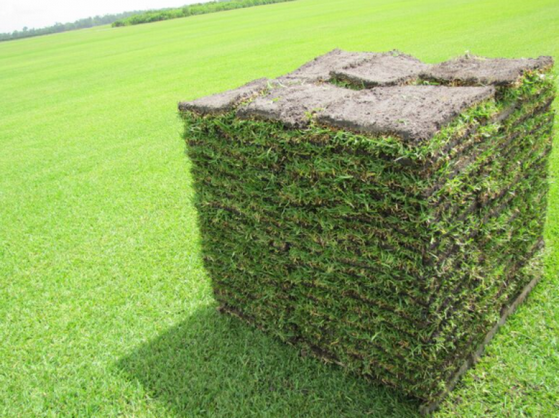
381	213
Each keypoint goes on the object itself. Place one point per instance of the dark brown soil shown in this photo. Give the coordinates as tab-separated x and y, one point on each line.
385	69
412	112
223	102
319	68
472	70
293	105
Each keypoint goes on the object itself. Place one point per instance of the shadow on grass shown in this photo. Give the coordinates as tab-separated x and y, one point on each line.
214	365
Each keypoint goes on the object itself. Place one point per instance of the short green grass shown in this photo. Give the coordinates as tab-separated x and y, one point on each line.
105	308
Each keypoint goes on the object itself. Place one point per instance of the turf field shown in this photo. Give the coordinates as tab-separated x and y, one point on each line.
105	308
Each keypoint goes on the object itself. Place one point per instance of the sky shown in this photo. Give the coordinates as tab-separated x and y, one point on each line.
15	14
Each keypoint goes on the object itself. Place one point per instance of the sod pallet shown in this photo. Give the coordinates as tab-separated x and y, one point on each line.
380	213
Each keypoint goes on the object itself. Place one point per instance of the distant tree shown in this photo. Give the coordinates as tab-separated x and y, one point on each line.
191	10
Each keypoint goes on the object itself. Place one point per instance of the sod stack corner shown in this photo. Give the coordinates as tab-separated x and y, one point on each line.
381	213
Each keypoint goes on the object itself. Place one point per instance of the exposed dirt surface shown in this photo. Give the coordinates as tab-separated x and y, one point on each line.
388	105
223	102
412	112
472	70
319	68
293	105
385	69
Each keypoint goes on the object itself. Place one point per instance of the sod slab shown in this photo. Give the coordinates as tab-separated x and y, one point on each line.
473	70
319	69
293	105
223	102
384	69
410	112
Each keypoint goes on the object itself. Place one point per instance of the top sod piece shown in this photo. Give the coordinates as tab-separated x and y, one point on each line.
389	93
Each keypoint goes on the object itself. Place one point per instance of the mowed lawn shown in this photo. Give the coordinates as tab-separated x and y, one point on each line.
105	308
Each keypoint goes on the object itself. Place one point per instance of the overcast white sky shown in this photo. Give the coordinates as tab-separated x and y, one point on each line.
15	14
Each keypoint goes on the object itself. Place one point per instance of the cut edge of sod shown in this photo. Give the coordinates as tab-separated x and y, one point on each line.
473	358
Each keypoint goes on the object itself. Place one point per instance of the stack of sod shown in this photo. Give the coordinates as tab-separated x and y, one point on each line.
379	212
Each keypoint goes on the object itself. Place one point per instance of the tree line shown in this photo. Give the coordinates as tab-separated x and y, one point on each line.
63	27
191	10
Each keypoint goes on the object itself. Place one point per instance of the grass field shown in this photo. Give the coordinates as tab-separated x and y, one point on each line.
105	308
